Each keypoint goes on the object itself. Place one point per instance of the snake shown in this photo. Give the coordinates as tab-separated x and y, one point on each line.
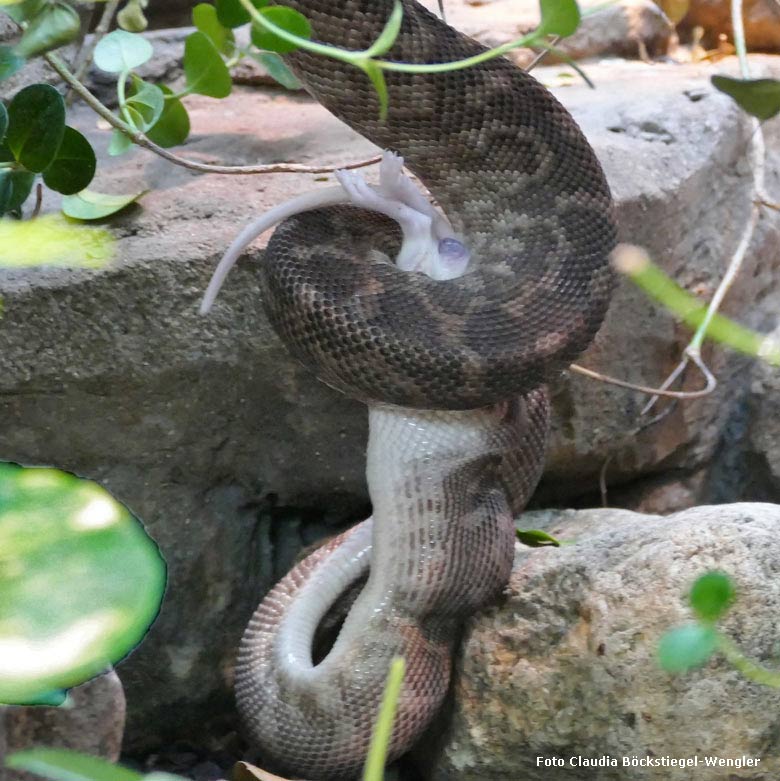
455	374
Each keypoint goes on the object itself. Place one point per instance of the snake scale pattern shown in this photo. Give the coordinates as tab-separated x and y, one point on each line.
454	374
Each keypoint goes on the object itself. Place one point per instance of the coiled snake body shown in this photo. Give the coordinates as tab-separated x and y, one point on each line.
454	374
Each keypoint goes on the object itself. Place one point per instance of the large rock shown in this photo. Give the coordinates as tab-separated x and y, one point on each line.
230	452
91	722
567	668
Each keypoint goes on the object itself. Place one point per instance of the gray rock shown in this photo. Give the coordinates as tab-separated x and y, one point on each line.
233	455
567	667
93	723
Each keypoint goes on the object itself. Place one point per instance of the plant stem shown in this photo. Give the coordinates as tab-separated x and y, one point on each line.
141	140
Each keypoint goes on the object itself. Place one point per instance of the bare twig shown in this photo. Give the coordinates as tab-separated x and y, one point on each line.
655	392
38	201
542	54
759	198
141	140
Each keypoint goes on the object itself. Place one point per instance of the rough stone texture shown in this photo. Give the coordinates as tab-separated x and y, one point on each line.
567	667
761	20
93	724
234	456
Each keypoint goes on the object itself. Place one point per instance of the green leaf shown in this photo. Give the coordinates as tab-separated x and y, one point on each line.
712	595
287	19
73	168
23	11
15	186
10	62
686	647
36	124
204	17
119	143
232	14
145	104
3	120
132	17
204	69
121	51
277	69
758	97
173	126
52	699
54	26
66	765
377	76
536	538
80	580
91	205
559	17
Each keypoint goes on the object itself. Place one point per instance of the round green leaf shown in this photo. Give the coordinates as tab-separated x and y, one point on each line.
287	19
204	17
90	205
55	25
15	186
712	595
121	51
73	168
36	124
173	126
145	104
758	97
204	69
10	62
132	17
686	647
3	120
232	14
80	581
559	17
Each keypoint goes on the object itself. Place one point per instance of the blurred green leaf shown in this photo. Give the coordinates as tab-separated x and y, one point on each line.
10	62
535	538
80	581
204	69
290	21
712	595
73	168
36	124
204	17
145	103
277	69
121	51
54	26
559	17
232	14
23	11
15	186
758	97
132	17
173	126
91	205
66	765
686	647
119	143
3	120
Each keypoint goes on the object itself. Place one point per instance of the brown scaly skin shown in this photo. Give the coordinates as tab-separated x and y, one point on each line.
522	186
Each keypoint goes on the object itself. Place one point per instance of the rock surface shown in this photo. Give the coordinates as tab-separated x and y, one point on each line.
566	666
232	454
93	723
